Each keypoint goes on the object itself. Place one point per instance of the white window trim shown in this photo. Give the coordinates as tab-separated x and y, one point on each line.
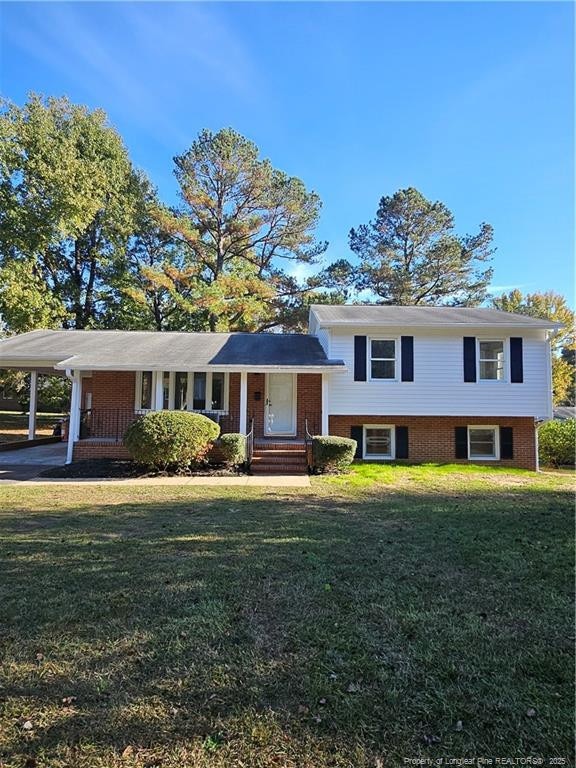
369	357
380	456
506	352
138	392
189	390
496	430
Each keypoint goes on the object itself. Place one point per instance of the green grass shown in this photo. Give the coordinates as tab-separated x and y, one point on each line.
14	425
348	625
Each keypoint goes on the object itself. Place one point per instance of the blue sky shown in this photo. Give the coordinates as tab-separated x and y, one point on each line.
472	103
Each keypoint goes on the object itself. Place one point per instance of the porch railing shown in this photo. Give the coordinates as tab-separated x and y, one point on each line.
111	423
308	443
250	443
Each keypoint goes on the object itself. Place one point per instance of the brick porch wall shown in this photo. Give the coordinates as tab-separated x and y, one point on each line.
431	438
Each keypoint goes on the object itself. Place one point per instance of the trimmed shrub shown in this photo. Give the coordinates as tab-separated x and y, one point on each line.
557	442
170	439
233	447
332	454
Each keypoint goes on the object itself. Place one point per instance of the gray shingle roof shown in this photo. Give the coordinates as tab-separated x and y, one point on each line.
139	350
373	314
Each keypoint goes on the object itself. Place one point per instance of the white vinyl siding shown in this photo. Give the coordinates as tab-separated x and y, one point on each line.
438	388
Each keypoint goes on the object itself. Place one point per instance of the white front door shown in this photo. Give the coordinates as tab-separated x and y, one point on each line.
280	412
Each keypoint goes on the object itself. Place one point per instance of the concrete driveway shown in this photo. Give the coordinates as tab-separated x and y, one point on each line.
26	463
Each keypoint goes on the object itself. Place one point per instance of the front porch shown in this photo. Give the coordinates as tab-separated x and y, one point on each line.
277	408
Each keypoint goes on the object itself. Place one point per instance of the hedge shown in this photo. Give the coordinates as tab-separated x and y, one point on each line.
332	454
171	439
556	442
233	447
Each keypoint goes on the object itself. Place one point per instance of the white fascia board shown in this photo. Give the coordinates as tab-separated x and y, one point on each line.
200	369
28	362
439	326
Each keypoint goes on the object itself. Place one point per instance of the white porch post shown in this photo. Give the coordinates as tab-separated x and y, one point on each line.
325	403
159	397
33	405
242	428
74	421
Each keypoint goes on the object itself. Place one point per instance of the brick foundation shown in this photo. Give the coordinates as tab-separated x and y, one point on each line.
431	438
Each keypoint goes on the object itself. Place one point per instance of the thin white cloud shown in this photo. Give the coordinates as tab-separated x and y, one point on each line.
139	67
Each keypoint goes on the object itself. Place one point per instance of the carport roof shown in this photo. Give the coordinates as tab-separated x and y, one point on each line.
166	351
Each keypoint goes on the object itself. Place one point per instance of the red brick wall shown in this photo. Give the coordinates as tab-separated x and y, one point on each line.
309	398
256	384
113	389
431	438
308	402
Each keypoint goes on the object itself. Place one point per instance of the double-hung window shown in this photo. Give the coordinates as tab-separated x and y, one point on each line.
483	442
491	359
382	358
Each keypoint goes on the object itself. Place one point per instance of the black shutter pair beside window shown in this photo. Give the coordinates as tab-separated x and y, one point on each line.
516	360
406	358
357	433
506	442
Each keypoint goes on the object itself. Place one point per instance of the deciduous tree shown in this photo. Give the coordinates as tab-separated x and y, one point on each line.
550	306
68	198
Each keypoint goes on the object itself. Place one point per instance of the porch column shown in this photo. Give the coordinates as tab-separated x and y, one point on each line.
242	428
74	421
33	405
325	403
159	392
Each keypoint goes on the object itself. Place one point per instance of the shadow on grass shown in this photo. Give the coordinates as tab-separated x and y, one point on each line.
359	627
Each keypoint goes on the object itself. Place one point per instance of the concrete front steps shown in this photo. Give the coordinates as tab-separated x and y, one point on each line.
279	458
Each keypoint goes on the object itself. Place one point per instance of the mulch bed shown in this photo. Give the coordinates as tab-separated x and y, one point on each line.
111	468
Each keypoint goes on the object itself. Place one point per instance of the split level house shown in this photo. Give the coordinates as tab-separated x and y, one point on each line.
423	384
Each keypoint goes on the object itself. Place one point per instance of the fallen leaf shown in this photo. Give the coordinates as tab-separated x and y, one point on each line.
429	740
128	752
322	702
302	709
68	700
28	725
531	712
353	688
317	719
459	725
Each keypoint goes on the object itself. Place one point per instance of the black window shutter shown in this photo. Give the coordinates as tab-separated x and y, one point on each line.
401	442
407	346
357	433
359	358
469	358
461	442
506	443
516	361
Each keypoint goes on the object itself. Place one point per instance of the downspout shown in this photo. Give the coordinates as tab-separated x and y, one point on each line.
73	420
537	423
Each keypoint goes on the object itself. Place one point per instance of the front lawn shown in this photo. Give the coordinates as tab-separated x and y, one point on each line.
14	426
393	613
